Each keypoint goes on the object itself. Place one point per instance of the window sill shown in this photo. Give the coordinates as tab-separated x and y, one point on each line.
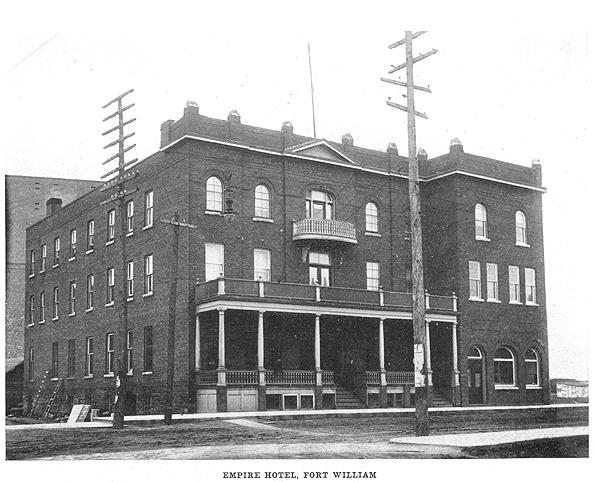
149	226
54	379
481	238
88	377
147	373
530	303
89	251
72	259
130	373
108	375
129	234
71	314
130	299
490	300
533	387
262	220
42	322
88	310
31	276
476	299
56	318
372	234
522	245
42	271
55	265
30	325
505	387
70	378
109	243
515	303
148	295
213	213
109	304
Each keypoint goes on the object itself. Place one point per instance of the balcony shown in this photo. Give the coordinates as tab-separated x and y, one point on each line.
325	229
304	294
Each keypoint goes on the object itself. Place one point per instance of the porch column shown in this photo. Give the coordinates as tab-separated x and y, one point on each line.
262	393
317	369
456	383
197	343
221	379
382	397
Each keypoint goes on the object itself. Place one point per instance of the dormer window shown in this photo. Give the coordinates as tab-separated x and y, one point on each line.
320	205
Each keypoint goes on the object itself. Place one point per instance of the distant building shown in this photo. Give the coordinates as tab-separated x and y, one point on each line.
302	255
26	200
13	370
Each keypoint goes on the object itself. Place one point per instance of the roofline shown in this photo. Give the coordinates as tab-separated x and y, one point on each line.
359	168
52	178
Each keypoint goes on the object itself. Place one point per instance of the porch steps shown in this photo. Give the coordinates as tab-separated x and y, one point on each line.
439	399
346	399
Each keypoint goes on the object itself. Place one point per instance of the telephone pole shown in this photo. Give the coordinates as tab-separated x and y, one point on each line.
171	328
122	175
422	421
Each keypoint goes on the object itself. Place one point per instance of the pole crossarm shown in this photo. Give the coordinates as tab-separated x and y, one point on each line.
119	111
118	127
404	109
416	59
118	98
402	41
404	84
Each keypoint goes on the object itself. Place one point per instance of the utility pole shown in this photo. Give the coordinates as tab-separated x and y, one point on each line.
171	328
122	175
422	421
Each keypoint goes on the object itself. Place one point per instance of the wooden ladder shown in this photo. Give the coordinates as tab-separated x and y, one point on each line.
38	395
52	398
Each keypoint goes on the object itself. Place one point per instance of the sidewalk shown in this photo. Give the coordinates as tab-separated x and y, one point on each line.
490	439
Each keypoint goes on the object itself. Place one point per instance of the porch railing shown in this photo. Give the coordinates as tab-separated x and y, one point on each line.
207	377
328	377
243	288
392	378
241	377
290	377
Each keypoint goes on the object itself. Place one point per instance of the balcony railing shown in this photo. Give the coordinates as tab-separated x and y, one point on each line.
291	292
327	229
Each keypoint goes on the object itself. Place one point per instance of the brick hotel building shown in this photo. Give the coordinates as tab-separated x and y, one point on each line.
302	298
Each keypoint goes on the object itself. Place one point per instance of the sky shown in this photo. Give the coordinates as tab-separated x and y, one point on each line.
512	82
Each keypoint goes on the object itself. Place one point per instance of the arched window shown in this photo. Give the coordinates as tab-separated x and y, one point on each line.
262	202
474	353
320	205
504	368
481	222
371	218
214	194
532	368
521	228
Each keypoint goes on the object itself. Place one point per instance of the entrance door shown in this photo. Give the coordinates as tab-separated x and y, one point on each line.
475	370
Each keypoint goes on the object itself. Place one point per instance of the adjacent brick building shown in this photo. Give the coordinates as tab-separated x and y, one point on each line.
293	279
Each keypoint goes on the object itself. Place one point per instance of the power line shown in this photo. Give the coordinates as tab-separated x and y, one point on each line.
31	53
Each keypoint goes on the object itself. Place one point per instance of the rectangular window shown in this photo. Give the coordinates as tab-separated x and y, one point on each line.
474	280
56	304
109	353
148	288
129	217
90	291
372	275
214	261
148	349
129	352
71	359
148	209
31	310
90	234
42	307
111	225
54	369
320	268
72	298
31	363
492	281
89	357
44	257
109	298
530	291
32	263
514	284
262	264
130	279
56	251
72	243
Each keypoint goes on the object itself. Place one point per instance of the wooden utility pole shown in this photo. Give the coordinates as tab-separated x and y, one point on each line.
119	197
171	327
422	421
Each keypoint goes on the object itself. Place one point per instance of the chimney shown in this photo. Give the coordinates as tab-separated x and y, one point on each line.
235	125
347	141
422	155
286	134
191	117
166	132
536	167
456	146
392	154
52	205
392	149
